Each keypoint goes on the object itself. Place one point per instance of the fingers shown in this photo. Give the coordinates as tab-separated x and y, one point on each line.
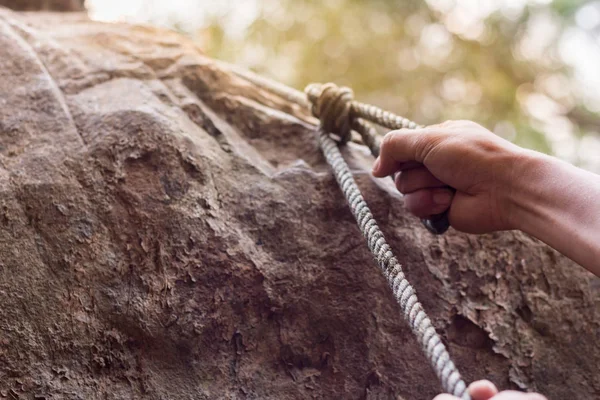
486	390
512	395
415	179
445	397
404	145
482	390
425	195
426	202
507	395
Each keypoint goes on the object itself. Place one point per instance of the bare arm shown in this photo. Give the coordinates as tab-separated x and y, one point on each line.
499	186
560	205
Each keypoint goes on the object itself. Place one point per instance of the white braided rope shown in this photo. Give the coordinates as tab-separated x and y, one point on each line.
383	118
404	293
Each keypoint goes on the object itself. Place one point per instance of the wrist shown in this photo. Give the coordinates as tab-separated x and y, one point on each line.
529	180
556	202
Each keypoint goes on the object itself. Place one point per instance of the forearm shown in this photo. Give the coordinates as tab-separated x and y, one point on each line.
560	205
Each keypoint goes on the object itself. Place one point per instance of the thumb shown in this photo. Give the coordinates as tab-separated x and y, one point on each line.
398	147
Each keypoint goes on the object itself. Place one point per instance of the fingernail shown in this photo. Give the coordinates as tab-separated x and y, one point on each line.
442	198
376	164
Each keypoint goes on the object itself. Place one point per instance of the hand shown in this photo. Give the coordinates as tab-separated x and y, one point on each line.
460	154
485	390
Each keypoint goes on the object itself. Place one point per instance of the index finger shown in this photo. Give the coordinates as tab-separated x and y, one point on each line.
401	146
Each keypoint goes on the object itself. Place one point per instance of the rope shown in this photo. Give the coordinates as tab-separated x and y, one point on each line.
281	90
332	103
405	295
337	112
335	106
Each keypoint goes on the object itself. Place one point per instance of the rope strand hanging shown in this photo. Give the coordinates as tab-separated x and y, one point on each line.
332	106
339	114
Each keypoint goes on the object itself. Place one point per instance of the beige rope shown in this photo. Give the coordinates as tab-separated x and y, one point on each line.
338	114
332	105
329	109
330	100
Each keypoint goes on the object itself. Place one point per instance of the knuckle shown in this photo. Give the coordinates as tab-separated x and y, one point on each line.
422	147
425	144
461	125
388	139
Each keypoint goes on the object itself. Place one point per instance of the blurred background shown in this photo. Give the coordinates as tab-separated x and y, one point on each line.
527	69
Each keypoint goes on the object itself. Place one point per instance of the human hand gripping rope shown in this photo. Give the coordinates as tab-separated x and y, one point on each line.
338	113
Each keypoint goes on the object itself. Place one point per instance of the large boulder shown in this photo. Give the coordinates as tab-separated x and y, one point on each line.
171	231
44	5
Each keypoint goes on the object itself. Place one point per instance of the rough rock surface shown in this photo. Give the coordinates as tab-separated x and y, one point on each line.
166	236
44	5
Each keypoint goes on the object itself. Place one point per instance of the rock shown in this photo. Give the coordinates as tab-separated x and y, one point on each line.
44	5
171	231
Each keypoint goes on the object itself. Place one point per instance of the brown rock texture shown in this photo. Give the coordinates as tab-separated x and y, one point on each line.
44	5
171	231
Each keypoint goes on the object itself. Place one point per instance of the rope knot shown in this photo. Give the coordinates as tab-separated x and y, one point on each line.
333	106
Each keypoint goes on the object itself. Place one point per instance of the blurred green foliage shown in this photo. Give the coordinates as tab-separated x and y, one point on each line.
488	61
